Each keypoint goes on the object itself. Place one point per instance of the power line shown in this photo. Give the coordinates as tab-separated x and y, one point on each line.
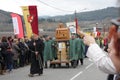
54	7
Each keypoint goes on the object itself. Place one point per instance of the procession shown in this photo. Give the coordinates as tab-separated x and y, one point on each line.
54	48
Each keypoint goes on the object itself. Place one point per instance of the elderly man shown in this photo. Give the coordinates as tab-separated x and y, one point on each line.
36	47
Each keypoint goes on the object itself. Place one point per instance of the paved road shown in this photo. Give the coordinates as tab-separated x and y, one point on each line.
88	71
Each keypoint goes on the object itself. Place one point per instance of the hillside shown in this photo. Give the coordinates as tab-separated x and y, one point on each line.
110	12
5	17
85	19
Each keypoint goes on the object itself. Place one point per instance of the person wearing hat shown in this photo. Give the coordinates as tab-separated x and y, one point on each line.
106	62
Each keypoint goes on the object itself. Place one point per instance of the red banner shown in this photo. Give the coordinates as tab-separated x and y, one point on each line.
76	24
17	25
33	19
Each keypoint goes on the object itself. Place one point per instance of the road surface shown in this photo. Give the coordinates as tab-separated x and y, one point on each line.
88	71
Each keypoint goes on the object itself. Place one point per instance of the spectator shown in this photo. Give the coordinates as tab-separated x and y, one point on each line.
108	63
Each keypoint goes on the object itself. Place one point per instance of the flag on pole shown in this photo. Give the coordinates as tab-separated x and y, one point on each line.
76	24
17	25
34	19
31	20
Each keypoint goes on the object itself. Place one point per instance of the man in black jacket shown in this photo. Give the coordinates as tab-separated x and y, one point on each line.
36	47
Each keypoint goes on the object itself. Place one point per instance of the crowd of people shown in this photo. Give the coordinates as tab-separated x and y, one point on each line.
14	53
39	52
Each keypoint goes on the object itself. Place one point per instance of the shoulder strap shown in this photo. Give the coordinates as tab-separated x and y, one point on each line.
117	77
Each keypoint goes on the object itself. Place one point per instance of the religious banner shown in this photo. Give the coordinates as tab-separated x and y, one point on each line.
31	20
72	27
76	24
17	25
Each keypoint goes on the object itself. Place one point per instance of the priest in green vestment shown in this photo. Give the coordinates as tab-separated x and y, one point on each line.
80	50
73	55
48	53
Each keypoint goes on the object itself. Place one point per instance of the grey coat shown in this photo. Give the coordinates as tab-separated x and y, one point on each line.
16	51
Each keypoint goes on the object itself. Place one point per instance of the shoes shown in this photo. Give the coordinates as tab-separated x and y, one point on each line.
30	75
9	71
45	67
40	73
1	72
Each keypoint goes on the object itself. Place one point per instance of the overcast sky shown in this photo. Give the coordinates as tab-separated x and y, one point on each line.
56	7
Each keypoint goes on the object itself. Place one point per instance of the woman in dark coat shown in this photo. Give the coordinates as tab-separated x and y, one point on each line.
9	58
36	47
3	45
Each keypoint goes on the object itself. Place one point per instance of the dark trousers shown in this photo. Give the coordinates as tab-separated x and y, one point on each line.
74	63
22	60
10	66
15	64
110	77
46	64
81	60
2	65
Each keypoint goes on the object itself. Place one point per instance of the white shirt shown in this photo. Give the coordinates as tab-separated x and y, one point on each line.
101	59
